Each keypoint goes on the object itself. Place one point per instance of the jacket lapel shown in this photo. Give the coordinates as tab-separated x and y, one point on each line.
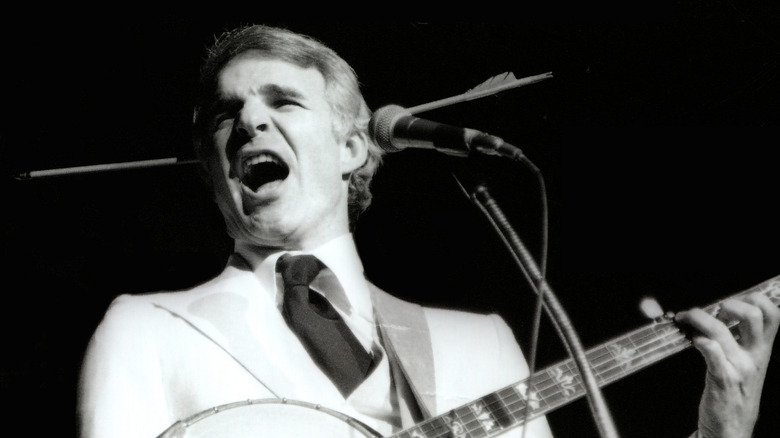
407	340
258	339
261	342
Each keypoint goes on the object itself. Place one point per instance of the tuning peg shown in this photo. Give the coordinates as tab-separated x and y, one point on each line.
652	309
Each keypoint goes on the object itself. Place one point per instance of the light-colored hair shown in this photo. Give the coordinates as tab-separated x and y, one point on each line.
342	91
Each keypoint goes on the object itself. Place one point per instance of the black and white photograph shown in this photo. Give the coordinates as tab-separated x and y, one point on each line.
240	226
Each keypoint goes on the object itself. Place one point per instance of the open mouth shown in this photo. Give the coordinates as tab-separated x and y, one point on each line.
262	169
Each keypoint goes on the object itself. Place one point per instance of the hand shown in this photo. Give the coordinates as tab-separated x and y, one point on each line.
736	364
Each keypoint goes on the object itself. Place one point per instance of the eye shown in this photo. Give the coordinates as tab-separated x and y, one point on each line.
223	113
282	102
223	121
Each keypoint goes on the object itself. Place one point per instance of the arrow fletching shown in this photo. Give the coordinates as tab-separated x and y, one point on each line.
493	85
494	82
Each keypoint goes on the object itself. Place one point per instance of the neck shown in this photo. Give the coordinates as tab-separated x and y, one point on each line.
264	250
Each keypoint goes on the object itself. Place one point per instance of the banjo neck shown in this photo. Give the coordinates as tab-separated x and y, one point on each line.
562	383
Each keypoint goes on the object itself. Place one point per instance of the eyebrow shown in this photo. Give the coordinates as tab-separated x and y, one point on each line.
274	91
269	91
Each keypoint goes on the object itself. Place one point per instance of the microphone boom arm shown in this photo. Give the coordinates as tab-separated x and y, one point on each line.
478	193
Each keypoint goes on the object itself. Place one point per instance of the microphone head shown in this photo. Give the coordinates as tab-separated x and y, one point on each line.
382	125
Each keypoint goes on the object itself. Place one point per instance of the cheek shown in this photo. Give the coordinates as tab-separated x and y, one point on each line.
219	147
218	167
321	159
325	171
223	187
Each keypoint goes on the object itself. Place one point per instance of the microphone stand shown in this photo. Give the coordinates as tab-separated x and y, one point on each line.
478	193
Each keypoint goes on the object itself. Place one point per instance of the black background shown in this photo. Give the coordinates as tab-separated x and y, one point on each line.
657	140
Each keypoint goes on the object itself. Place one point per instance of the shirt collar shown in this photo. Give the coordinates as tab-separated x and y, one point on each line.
339	255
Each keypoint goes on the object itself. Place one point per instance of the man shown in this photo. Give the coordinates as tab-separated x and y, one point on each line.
281	129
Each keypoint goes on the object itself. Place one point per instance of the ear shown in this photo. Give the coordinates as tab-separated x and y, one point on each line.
354	153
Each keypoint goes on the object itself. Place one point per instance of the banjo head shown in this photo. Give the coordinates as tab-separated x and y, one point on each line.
272	418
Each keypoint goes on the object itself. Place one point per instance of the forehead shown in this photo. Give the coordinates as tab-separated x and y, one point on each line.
251	73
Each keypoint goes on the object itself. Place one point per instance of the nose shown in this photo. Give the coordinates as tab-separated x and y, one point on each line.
252	119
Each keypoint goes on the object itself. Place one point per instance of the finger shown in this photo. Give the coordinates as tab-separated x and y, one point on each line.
749	317
710	327
718	364
770	310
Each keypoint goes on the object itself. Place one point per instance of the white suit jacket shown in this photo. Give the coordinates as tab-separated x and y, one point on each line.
159	358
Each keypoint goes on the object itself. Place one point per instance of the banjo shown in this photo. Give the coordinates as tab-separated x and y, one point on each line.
487	416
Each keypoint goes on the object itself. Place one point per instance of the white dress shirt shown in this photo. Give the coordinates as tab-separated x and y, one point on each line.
343	283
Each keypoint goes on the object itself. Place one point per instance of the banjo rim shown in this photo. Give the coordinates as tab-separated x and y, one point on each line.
178	429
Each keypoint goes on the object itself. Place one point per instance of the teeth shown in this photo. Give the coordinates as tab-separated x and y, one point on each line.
260	158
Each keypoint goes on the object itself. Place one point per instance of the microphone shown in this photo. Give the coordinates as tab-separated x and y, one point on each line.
394	129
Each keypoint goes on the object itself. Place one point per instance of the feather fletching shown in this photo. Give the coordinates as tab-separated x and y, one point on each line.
495	81
493	85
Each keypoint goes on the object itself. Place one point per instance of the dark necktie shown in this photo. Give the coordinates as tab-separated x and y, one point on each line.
320	328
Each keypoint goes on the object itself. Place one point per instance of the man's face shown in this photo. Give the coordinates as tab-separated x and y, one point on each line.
277	167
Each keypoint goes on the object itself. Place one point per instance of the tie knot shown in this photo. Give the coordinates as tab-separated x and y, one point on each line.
299	270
